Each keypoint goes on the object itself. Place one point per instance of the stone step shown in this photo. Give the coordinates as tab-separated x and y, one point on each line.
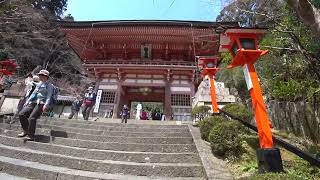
133	147
151	157
106	166
117	139
102	132
134	124
35	170
116	127
4	176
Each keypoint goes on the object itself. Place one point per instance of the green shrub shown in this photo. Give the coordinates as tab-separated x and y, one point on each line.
225	139
208	123
302	169
200	112
272	176
290	90
239	111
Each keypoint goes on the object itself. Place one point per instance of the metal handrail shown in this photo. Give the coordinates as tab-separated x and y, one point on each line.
306	156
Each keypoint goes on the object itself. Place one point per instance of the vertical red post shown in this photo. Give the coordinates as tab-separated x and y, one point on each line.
213	94
243	46
260	111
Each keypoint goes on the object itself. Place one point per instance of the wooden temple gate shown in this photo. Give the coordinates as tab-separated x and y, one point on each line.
144	60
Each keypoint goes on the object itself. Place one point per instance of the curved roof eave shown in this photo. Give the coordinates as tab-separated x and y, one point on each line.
84	24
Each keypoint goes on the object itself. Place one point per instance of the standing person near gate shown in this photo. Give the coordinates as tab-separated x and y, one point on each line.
124	114
88	101
38	102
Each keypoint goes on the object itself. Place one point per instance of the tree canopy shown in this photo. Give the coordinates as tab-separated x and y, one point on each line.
56	7
291	71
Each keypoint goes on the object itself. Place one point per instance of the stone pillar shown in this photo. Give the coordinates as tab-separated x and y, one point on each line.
167	101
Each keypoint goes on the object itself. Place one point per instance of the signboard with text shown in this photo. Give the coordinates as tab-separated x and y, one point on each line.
98	99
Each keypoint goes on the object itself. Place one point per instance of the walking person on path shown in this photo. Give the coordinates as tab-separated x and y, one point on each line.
38	102
88	101
75	108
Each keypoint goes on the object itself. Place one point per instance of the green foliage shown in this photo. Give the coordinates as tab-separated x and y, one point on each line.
239	111
225	139
68	17
314	150
234	78
208	123
302	169
316	3
291	69
289	90
249	166
273	176
3	55
200	112
226	58
244	12
56	7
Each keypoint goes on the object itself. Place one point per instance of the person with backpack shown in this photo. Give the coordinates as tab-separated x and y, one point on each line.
88	101
75	108
38	102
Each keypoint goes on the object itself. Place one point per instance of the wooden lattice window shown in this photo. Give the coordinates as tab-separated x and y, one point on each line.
180	100
108	97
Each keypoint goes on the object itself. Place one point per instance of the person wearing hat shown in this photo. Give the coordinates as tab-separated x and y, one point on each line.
36	103
88	101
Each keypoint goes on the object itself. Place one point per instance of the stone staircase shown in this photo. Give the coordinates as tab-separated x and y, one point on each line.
70	149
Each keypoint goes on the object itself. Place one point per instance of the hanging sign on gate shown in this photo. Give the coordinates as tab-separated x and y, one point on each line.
98	99
247	77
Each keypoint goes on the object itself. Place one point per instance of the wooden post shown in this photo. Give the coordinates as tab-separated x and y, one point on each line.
167	101
116	108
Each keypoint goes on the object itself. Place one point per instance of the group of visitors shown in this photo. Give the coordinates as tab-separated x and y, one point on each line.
141	114
154	115
39	98
87	103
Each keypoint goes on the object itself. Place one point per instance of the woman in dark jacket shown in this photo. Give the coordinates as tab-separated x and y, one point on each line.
124	114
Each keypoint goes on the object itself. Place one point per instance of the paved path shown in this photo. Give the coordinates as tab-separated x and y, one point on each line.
101	149
216	169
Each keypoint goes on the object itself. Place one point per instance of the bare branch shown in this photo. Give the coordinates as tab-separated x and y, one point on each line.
280	48
308	14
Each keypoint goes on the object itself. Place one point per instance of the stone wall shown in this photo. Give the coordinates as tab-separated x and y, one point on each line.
300	118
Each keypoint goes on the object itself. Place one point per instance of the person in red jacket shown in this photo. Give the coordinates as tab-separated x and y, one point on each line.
88	102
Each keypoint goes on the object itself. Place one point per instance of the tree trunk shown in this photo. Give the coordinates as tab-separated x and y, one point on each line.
308	13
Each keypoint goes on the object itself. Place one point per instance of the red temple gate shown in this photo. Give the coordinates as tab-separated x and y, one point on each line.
150	60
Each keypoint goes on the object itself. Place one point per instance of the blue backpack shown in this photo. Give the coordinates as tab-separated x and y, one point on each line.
54	97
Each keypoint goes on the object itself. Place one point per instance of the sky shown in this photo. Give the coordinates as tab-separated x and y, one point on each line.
197	10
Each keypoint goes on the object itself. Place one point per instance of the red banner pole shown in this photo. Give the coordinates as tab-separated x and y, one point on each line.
213	94
261	115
